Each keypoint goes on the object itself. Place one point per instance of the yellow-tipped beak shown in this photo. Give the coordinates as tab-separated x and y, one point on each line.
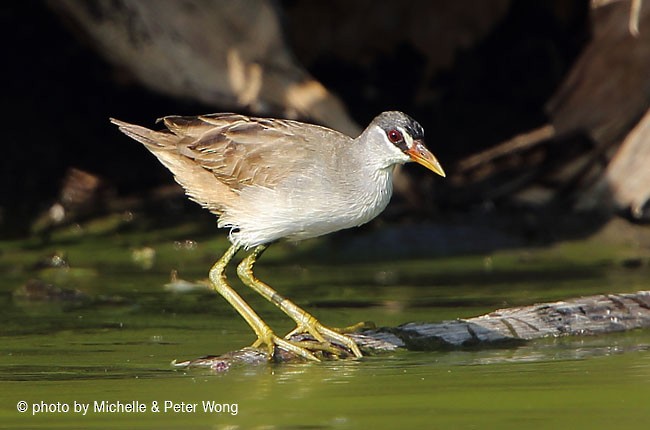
421	155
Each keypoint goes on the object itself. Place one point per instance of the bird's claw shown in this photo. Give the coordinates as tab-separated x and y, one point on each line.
272	341
321	333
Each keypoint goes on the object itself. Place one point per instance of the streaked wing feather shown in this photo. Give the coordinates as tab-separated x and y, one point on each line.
199	183
242	151
215	156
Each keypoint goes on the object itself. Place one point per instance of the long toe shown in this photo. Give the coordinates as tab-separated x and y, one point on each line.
342	339
273	341
322	334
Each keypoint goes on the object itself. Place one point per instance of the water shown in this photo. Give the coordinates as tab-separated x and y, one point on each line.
114	346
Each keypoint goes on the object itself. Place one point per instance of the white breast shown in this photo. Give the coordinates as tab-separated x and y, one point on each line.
308	206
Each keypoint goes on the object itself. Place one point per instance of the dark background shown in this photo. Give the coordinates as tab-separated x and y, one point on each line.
58	95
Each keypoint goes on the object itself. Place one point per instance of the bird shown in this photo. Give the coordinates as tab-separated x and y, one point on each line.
270	179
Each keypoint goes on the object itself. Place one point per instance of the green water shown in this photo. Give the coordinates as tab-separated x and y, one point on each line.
116	345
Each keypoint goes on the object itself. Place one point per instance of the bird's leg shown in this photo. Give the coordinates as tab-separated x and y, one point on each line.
306	323
264	333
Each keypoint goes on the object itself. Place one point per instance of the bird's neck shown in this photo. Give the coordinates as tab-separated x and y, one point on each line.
377	191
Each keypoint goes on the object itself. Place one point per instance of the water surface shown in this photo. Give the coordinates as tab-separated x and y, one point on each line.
114	346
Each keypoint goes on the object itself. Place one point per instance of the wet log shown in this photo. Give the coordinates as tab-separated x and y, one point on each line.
584	316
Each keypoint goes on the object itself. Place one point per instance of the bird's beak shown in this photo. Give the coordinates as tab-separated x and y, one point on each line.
421	155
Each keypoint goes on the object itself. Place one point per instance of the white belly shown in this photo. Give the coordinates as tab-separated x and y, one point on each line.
305	208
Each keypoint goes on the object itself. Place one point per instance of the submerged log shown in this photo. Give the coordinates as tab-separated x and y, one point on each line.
584	316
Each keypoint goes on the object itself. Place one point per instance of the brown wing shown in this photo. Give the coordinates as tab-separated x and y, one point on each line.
240	150
214	156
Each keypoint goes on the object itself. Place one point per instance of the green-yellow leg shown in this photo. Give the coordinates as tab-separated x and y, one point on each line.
265	335
306	323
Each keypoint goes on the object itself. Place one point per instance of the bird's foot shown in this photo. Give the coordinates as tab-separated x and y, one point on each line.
272	341
321	333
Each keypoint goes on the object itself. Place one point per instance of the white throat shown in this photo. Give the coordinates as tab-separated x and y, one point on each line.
379	152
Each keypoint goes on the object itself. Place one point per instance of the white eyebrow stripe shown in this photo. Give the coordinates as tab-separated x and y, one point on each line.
407	138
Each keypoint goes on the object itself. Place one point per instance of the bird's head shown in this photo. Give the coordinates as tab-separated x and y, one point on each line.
402	139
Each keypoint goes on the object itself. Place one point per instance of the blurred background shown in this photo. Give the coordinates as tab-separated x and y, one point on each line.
538	111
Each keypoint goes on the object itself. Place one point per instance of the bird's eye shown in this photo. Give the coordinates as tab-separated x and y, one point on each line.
394	136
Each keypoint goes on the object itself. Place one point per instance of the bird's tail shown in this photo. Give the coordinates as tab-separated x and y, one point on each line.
200	184
150	138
